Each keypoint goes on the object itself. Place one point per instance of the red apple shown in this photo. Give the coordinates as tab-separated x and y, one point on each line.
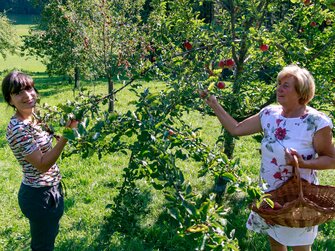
264	47
187	45
222	63
221	85
313	24
307	2
230	62
171	132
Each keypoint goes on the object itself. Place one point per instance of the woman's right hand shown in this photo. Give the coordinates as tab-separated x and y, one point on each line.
210	99
72	123
203	94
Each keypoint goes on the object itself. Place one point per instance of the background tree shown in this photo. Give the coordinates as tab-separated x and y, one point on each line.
8	37
105	39
117	41
61	40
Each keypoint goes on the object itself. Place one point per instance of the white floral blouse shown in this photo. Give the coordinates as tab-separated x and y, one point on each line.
280	133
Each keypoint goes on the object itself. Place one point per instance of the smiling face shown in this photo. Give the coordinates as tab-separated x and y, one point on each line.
19	92
24	100
286	91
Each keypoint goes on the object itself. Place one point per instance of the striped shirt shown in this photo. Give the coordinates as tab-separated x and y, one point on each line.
24	138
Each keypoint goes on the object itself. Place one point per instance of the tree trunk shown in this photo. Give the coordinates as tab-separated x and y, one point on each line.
229	144
111	95
77	78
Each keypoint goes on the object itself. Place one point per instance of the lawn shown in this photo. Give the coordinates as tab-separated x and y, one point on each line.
17	61
92	184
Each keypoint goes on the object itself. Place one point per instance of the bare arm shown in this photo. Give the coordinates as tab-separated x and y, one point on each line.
43	161
248	126
325	149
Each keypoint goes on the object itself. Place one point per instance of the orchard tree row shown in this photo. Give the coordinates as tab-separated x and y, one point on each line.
236	53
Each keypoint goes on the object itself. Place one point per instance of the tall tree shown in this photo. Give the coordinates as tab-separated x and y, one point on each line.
60	39
96	39
8	37
117	41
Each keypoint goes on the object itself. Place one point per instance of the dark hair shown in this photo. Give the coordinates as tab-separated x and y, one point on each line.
15	82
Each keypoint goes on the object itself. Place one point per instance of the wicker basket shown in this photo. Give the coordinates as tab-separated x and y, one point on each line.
303	204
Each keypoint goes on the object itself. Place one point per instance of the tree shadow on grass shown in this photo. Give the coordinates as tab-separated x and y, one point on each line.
237	218
124	229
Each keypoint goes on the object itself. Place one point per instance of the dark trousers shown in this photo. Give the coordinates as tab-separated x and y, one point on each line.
43	207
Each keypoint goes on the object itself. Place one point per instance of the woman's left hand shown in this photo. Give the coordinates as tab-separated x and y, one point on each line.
289	153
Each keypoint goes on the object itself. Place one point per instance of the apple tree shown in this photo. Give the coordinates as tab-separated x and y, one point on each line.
257	39
117	42
8	37
156	138
59	39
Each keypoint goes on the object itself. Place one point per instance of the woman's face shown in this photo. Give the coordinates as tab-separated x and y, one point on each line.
286	92
25	100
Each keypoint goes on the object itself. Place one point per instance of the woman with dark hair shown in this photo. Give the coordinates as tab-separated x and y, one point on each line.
290	127
40	196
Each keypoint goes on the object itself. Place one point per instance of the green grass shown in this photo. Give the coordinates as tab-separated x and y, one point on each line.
22	24
92	184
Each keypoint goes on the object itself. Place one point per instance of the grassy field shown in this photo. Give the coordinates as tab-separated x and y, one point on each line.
91	185
29	64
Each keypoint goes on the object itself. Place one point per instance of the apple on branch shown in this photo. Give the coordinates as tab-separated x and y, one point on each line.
313	24
171	132
264	47
307	2
221	85
187	45
229	63
222	63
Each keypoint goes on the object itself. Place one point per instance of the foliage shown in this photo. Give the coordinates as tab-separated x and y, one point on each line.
155	138
105	39
8	36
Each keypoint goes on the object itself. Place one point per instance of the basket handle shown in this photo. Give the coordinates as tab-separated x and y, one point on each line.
296	173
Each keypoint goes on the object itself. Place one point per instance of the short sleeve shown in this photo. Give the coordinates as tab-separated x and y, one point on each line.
323	121
22	140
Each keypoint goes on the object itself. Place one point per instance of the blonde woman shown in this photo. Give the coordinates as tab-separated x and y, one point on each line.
290	127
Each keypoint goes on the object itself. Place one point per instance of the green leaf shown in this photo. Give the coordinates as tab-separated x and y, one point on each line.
174	213
68	133
189	208
229	177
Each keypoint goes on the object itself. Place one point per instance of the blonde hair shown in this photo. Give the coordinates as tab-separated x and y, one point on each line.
304	84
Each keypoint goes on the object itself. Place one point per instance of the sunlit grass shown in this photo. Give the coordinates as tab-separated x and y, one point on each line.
22	24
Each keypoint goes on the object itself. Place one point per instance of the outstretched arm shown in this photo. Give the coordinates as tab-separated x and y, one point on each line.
248	126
